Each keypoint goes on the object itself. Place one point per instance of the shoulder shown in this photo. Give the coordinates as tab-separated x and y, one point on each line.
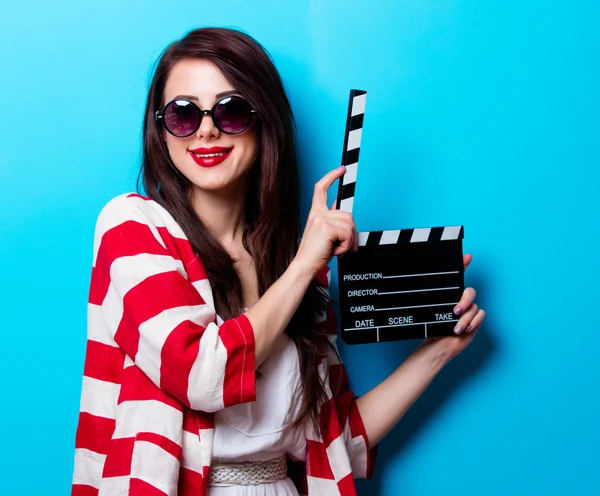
135	209
136	221
129	206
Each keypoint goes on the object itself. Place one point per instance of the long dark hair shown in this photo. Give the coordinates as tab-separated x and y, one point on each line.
272	213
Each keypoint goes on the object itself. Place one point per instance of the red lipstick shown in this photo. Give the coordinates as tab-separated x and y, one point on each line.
219	154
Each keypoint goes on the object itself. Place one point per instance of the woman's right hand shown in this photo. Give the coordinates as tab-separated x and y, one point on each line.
325	228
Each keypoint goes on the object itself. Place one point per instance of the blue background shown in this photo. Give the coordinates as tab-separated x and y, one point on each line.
484	114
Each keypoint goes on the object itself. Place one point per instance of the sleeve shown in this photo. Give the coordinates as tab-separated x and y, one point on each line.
362	458
157	316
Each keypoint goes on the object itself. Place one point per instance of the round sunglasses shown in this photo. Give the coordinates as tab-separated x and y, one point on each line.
182	117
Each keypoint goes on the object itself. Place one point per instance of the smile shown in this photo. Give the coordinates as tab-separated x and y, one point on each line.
209	157
206	155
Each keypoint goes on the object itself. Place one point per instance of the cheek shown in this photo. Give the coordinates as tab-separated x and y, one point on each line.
177	147
252	148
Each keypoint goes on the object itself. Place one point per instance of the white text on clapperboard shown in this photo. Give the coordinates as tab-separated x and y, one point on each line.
405	320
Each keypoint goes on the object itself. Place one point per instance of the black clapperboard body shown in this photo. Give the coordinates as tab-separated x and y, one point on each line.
400	284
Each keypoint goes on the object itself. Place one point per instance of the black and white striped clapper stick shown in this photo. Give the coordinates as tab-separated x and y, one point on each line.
351	150
400	284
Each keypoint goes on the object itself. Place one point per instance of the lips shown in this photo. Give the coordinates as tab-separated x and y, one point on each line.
218	155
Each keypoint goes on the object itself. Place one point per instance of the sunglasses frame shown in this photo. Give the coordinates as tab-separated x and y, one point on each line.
159	115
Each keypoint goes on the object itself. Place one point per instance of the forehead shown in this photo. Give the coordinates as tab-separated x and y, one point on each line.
197	77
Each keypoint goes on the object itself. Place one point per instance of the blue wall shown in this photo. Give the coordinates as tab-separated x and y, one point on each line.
479	113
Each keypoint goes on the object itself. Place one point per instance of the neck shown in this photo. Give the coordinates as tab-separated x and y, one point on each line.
222	212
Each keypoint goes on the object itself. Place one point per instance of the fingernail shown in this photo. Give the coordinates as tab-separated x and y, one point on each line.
469	328
458	311
458	329
341	167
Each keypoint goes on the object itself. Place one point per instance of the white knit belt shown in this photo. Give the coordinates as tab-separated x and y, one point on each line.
248	473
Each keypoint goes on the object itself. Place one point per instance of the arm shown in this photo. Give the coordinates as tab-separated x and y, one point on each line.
272	313
383	406
140	294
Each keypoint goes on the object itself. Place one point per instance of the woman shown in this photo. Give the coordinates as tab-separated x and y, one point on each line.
211	363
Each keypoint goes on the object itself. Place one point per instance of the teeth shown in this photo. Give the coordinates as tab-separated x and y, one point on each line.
208	155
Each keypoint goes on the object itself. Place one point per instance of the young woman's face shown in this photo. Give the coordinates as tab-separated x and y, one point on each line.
203	83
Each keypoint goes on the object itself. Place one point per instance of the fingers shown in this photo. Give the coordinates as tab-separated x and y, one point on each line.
336	225
465	302
476	322
322	186
345	235
466	319
350	219
467	260
471	314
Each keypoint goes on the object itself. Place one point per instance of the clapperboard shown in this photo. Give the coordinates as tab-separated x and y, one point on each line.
400	284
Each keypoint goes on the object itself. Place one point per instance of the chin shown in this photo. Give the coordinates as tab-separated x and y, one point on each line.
215	185
214	179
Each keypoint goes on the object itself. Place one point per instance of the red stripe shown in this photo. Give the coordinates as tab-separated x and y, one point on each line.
239	385
182	250
355	422
81	490
118	460
317	461
94	433
178	355
166	444
357	428
343	405
149	298
346	486
127	239
190	421
195	270
191	483
194	421
329	422
134	238
137	386
99	283
138	487
103	362
321	276
136	195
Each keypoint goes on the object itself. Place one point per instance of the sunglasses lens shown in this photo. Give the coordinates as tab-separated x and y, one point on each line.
233	114
181	118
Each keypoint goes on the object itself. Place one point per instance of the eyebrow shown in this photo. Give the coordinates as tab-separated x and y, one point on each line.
218	95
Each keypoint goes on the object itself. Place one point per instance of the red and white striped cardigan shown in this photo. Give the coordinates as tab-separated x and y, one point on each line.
158	366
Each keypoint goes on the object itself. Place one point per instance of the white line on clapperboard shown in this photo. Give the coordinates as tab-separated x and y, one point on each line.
415	306
418	275
400	325
417	290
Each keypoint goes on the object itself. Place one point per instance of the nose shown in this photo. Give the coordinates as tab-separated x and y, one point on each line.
207	127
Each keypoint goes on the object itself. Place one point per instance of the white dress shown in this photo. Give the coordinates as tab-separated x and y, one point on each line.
261	430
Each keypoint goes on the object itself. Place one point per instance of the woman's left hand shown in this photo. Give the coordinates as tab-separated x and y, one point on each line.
471	317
